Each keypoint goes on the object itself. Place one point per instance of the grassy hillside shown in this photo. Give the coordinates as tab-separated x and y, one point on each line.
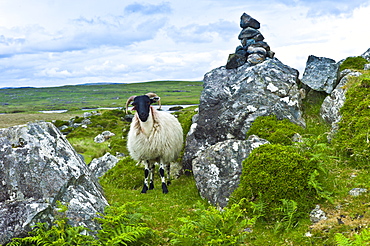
94	95
182	217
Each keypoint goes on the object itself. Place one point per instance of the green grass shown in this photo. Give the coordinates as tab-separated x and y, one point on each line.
76	97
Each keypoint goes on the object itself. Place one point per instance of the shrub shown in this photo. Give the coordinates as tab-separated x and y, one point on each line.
274	175
213	227
59	123
352	140
359	239
274	130
123	225
356	63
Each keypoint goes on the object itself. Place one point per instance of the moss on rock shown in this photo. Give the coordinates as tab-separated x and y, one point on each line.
356	63
274	130
353	138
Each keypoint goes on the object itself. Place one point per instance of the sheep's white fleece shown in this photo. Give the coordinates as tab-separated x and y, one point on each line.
159	139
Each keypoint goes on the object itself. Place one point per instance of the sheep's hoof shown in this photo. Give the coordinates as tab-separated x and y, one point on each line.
145	189
164	188
151	186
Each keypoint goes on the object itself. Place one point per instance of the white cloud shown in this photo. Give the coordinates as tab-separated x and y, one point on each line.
69	42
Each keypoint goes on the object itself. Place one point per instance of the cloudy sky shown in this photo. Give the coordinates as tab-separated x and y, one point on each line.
59	42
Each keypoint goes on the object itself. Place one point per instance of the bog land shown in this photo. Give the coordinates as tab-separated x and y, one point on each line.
21	105
76	97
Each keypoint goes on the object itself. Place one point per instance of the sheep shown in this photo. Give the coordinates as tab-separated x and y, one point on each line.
154	136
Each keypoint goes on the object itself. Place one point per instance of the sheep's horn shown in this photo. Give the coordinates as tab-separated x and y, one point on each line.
153	95
130	99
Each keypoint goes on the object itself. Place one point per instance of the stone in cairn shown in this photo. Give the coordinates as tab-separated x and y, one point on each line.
253	49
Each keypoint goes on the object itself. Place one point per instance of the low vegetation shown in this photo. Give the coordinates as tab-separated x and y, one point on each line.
281	183
77	97
355	63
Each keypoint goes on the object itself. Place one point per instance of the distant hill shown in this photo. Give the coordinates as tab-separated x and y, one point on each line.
94	95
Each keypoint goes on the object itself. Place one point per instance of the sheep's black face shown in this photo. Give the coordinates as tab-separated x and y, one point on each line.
142	106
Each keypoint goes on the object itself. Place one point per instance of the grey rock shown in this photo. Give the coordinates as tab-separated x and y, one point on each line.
270	54
321	74
240	50
104	136
259	37
218	168
367	67
366	55
261	44
38	167
86	121
120	155
246	42
248	33
235	60
247	21
317	215
99	166
297	138
357	191
128	117
233	98
255	58
87	114
254	49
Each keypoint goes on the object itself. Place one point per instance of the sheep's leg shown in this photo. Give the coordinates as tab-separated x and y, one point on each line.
151	174
146	176
163	178
168	174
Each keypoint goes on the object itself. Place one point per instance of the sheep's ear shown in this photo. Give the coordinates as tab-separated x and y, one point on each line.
154	100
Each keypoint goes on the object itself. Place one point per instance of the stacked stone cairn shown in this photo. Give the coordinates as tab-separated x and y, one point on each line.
253	49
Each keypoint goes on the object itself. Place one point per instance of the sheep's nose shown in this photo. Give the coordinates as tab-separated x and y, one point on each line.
143	116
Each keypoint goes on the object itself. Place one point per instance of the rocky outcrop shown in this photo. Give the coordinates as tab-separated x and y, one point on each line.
217	170
321	74
233	98
331	105
253	49
38	167
366	55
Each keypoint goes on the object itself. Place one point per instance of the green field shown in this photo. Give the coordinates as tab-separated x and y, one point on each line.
76	97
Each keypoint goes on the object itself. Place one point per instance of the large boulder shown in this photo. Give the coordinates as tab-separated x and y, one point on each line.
321	74
38	167
233	98
217	170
